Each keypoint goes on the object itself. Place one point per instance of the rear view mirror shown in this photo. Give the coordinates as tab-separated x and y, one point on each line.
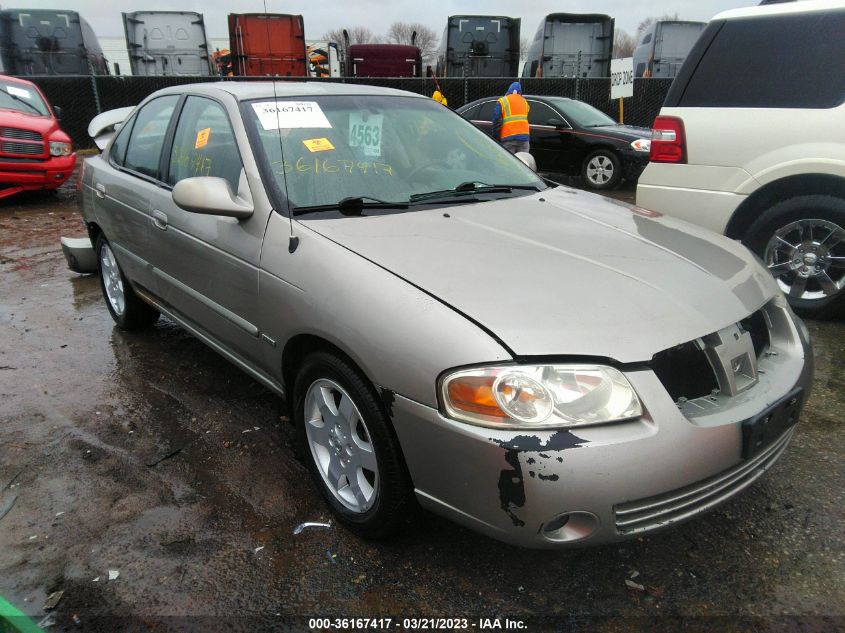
528	159
211	196
57	111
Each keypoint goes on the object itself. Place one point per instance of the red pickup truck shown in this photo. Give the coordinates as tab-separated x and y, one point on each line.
34	151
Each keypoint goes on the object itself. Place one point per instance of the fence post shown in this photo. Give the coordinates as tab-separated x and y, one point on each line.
94	88
466	90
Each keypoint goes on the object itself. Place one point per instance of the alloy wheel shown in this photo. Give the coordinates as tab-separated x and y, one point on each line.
341	445
807	257
600	170
112	280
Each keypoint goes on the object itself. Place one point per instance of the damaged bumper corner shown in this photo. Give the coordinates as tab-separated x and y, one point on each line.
592	485
79	254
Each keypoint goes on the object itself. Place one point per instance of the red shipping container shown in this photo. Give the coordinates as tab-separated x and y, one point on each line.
267	44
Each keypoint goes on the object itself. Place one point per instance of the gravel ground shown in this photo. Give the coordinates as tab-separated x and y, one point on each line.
148	455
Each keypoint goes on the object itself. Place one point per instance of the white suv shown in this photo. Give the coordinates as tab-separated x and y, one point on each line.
750	142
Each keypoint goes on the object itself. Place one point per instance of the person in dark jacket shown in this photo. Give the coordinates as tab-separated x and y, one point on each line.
510	120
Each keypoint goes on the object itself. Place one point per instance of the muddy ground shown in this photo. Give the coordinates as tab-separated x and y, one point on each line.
149	455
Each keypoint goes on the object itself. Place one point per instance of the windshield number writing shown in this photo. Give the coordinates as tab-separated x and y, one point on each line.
316	166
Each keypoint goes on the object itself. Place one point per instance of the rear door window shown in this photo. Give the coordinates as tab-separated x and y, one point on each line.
486	112
472	113
787	61
204	144
143	154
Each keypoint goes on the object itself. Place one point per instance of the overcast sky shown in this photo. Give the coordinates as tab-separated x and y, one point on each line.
104	15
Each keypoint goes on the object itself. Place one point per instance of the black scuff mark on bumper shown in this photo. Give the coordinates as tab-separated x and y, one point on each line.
512	487
387	399
511	482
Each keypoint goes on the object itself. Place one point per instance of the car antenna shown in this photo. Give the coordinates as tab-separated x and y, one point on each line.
293	241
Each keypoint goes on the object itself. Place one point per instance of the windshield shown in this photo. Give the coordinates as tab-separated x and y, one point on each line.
385	148
23	98
582	113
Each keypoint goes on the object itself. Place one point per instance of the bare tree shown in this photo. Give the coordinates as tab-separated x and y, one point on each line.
402	33
623	44
357	35
647	22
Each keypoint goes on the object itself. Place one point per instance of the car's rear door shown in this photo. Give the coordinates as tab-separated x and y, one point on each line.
207	265
124	185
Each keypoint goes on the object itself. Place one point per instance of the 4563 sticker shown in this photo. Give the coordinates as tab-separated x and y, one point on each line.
366	134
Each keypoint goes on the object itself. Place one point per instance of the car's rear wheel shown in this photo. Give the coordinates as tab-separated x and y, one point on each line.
802	242
125	307
349	446
601	170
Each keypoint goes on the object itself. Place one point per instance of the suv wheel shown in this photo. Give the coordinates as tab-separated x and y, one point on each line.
348	444
802	242
601	170
125	307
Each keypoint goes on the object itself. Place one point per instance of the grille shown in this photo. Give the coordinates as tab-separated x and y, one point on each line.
685	371
10	147
643	515
24	135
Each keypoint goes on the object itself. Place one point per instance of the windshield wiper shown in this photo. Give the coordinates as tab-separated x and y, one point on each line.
352	205
467	188
26	103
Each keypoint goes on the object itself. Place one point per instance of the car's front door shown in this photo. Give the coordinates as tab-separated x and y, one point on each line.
207	265
548	143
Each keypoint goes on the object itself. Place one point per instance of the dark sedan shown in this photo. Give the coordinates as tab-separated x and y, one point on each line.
572	137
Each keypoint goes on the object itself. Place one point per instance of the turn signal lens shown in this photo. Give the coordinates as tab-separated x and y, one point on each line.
474	394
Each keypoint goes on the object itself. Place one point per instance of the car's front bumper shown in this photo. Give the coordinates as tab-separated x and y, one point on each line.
657	470
37	174
633	164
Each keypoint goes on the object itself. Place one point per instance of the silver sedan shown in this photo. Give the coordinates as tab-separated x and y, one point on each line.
540	364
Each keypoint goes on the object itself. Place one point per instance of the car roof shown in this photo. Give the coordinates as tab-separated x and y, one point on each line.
538	97
247	90
16	80
782	8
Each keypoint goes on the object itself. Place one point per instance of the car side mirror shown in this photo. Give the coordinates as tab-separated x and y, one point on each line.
58	112
211	196
555	123
528	159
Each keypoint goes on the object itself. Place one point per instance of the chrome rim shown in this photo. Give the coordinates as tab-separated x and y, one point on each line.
600	170
807	257
112	280
341	445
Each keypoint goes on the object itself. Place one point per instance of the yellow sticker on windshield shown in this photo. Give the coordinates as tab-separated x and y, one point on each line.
202	138
318	144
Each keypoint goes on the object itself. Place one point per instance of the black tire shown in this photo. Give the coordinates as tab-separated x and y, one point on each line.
830	209
393	497
596	181
136	314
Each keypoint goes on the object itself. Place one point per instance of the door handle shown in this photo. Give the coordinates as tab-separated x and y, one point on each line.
159	220
100	190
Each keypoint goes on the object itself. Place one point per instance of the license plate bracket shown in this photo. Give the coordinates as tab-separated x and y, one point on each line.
765	427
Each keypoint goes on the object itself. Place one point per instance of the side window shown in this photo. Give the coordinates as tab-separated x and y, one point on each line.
472	113
143	152
772	62
486	111
117	153
646	39
204	144
540	113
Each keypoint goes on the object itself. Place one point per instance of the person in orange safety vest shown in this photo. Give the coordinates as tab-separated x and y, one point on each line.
510	120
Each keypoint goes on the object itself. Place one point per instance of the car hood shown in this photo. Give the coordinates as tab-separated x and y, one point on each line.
628	132
565	272
42	124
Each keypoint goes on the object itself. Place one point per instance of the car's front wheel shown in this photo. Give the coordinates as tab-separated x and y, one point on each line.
349	446
601	170
802	242
125	307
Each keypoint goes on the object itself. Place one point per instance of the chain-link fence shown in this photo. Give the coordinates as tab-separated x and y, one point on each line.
82	98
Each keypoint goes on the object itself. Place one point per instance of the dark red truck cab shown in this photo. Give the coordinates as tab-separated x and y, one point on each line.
34	151
267	44
383	60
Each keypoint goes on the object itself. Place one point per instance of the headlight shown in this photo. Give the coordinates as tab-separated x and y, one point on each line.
58	148
539	396
641	145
